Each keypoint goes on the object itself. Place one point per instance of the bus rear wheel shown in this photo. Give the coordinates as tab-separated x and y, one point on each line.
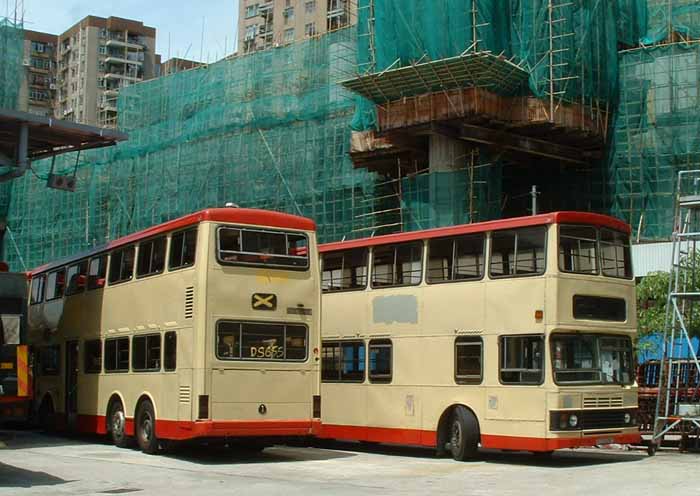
117	425
146	428
464	434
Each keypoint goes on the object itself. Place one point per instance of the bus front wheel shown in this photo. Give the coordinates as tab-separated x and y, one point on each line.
117	425
146	428
464	434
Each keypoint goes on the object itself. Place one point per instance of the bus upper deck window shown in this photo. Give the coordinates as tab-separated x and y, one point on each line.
55	284
38	289
76	275
346	270
239	246
456	259
97	271
397	265
183	245
121	266
518	252
615	255
151	257
578	249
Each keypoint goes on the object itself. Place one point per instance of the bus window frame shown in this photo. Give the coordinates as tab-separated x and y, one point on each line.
599	269
152	241
63	290
104	356
240	357
229	263
169	248
543	371
145	337
104	257
600	253
121	251
484	252
340	343
40	291
54	348
395	246
85	355
380	378
464	380
356	288
165	368
545	228
77	289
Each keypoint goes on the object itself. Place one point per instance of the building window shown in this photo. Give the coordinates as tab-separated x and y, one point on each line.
37	290
38	95
55	284
102	50
310	6
289	35
170	351
310	29
38	63
518	252
288	15
38	47
121	266
251	32
344	271
456	259
151	257
343	361
77	277
468	360
380	360
93	357
258	341
251	11
145	353
117	355
398	265
182	249
522	359
97	271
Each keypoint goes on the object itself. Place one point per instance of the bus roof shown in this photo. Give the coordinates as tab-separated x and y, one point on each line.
235	215
493	225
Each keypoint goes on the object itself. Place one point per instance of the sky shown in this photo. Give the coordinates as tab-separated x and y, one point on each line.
178	24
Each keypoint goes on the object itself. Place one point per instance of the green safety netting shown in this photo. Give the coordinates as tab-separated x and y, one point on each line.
665	16
11	69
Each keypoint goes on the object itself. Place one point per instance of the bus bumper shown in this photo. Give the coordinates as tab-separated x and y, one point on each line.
183	430
577	440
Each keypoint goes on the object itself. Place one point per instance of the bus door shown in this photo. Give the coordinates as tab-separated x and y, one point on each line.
72	384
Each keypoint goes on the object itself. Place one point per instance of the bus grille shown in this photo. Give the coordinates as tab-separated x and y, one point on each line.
604	419
189	302
602	401
185	394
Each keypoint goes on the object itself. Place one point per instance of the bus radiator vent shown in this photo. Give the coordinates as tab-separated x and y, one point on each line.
189	302
185	394
602	401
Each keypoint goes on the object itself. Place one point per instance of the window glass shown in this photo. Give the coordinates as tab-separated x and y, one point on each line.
170	351
269	248
38	289
258	341
380	360
182	249
577	249
343	361
522	359
518	252
116	356
93	357
121	266
346	270
97	271
50	360
397	265
145	353
452	259
77	277
615	255
592	359
151	257
468	356
55	284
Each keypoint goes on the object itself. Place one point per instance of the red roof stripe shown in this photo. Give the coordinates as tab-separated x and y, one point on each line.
493	225
244	216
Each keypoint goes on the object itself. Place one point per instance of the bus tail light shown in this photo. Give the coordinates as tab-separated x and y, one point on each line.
317	406
203	407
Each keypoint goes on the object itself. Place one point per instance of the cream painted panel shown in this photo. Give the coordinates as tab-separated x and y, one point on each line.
422	361
454	306
249	411
516	403
345	314
344	403
512	303
393	406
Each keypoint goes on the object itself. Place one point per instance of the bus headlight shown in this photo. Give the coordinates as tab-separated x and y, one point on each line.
565	421
573	420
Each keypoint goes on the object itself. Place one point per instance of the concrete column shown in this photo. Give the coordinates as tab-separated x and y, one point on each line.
446	154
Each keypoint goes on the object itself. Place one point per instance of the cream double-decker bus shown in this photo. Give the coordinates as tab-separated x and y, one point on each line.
206	326
513	334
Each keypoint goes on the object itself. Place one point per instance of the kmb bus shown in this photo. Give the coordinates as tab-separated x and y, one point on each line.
206	326
513	334
15	365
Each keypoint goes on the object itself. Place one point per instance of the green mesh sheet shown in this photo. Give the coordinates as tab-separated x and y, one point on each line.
270	130
666	16
11	69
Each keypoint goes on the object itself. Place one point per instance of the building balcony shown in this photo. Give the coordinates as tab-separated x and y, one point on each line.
123	77
113	42
111	92
111	59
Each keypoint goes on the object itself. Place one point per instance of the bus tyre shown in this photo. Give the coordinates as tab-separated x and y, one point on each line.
117	425
464	434
146	428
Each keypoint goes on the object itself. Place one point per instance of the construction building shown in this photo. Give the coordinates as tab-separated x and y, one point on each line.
175	64
96	59
264	24
38	90
392	125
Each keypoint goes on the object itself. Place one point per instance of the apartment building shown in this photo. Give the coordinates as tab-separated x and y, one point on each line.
96	58
38	89
174	65
265	24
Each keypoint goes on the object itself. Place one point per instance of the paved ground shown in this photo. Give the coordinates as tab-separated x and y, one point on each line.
33	463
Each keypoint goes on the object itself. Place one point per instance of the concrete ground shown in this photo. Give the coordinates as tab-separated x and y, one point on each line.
34	463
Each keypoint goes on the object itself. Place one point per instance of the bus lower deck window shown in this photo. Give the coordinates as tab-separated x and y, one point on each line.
50	359
522	359
170	351
116	355
261	341
380	358
93	356
468	360
145	353
343	361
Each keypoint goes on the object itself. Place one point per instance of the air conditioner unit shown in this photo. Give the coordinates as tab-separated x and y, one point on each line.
65	183
26	63
52	86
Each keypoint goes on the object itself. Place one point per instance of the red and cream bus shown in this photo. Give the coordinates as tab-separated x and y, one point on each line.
206	326
513	334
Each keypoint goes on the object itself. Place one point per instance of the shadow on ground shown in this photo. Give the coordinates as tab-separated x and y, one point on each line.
18	477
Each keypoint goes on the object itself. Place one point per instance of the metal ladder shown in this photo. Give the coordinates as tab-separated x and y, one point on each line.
678	401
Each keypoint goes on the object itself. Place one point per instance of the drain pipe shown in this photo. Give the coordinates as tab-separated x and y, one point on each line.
22	156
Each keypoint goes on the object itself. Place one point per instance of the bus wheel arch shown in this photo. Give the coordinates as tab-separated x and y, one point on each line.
463	420
115	420
145	425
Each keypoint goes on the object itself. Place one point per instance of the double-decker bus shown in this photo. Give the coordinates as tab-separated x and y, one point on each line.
206	326
513	334
15	366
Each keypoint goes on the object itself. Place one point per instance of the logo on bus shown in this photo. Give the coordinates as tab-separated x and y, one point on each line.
264	301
